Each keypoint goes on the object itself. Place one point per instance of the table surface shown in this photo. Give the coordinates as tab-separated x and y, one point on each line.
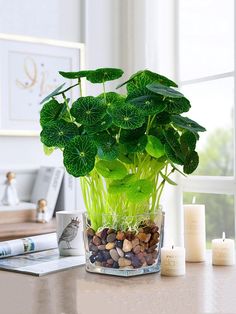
204	289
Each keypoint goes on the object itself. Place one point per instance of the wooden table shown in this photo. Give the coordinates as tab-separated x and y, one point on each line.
204	289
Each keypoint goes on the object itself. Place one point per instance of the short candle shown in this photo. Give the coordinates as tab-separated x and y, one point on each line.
223	251
172	261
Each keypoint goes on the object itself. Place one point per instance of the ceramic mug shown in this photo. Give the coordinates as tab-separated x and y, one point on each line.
70	233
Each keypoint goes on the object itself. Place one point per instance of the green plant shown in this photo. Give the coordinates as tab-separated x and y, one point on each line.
124	147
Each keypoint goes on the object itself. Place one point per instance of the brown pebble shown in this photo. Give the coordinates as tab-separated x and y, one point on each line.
102	247
98	234
154	254
111	237
135	242
110	231
137	249
141	257
90	232
127	246
152	248
110	261
96	240
148	237
147	229
110	245
129	235
142	236
123	262
120	235
149	259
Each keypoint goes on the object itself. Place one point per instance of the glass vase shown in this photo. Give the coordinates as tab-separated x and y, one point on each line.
126	245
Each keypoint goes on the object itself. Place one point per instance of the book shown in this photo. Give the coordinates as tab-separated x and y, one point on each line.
47	186
30	244
67	195
22	212
41	263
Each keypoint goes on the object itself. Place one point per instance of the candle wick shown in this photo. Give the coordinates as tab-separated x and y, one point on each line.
172	247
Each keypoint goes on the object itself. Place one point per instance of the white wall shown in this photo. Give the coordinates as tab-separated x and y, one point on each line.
56	19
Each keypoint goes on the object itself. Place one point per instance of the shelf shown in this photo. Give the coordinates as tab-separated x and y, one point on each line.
12	231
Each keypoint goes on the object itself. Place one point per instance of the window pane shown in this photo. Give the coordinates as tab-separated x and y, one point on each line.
212	107
206	42
219	214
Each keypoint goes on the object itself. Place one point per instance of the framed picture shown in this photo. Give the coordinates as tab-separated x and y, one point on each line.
29	72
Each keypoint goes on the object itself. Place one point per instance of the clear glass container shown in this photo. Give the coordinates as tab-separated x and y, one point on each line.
124	251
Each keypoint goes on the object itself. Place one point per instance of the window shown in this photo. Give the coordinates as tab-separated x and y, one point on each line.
206	75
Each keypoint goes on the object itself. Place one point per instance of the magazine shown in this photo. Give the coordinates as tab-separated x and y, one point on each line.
37	255
41	263
26	245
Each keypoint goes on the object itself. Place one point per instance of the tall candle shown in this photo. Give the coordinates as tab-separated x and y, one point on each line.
223	251
194	232
173	261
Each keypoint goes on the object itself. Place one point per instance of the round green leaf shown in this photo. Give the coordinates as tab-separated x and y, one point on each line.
163	118
75	75
101	125
79	156
140	190
188	141
111	169
172	138
51	111
191	162
171	155
58	133
137	145
164	90
148	104
127	116
142	78
121	186
154	147
88	110
104	74
177	105
107	147
127	136
186	123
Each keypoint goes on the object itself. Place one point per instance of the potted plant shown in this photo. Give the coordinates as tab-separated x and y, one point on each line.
124	148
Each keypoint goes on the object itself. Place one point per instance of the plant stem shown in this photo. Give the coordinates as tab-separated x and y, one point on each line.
104	91
65	90
67	106
80	87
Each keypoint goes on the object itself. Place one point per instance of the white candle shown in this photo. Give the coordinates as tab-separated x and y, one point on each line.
173	261
194	232
223	251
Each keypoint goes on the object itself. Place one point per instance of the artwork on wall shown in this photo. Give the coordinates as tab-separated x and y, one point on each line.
29	72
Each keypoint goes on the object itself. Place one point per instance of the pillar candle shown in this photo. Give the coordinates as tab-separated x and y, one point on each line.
172	261
223	251
194	232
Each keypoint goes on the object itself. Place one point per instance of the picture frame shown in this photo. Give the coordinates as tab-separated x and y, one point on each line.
29	72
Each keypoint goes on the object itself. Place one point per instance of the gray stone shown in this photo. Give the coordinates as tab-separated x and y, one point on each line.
114	255
120	252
